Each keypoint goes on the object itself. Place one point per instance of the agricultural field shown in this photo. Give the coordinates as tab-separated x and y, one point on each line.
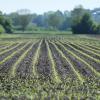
50	68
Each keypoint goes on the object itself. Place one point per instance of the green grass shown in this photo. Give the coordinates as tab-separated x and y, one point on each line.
34	34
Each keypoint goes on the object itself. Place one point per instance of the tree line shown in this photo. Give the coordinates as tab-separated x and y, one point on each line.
79	21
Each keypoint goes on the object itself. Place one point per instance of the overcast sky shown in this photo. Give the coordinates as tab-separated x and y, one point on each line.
40	6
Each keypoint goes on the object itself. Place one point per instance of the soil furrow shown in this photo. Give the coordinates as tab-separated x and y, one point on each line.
24	69
85	51
43	65
5	67
94	64
62	65
2	56
77	64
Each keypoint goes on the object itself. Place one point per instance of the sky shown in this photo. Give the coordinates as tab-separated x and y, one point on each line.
40	6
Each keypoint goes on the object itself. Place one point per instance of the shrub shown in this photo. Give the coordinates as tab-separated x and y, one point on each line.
98	29
2	30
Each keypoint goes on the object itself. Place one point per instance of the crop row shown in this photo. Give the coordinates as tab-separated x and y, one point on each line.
51	67
52	56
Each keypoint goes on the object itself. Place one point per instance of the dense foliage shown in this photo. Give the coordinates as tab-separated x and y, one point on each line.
5	24
84	26
79	20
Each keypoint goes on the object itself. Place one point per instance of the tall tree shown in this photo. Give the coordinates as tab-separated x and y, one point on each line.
85	26
54	20
77	13
6	24
24	18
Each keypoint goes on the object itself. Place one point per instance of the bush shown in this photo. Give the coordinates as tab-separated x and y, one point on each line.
98	29
2	30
